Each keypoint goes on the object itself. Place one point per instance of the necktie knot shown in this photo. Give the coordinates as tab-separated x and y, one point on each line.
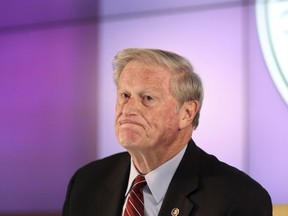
139	183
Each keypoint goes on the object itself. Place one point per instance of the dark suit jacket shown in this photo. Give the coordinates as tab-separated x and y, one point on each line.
201	186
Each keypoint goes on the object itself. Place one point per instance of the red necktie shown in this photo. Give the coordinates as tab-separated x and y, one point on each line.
135	202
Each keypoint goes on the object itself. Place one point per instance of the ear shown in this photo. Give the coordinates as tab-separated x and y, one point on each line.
187	113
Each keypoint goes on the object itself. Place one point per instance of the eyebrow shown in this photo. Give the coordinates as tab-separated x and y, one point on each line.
151	89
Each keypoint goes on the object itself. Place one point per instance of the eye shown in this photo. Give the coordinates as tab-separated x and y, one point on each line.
147	98
124	96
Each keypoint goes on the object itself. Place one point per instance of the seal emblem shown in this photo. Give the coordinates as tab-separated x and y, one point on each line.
272	26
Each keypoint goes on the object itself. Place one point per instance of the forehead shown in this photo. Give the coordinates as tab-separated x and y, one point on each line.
137	71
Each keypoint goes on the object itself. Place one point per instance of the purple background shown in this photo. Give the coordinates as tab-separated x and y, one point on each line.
57	94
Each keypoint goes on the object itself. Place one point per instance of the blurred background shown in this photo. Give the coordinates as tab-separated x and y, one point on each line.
57	94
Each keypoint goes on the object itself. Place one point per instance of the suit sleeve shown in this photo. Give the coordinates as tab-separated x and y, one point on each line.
253	202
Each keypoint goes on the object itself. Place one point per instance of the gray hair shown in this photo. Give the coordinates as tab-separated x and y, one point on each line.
185	86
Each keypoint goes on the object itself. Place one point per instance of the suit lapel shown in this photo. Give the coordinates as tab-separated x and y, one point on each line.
184	182
111	199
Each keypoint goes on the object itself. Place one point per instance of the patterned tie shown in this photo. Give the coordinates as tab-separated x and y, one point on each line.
135	202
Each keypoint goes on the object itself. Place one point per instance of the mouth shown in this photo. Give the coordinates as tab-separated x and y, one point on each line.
127	121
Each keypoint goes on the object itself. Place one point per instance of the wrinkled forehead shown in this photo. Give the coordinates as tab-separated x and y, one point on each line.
136	73
146	70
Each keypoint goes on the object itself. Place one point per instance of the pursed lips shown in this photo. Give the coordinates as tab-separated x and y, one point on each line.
129	121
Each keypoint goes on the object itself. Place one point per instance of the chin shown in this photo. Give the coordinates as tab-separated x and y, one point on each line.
129	143
128	137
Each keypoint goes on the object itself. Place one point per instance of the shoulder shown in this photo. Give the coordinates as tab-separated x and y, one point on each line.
238	191
221	173
217	176
241	193
103	168
210	168
225	174
89	183
237	188
107	161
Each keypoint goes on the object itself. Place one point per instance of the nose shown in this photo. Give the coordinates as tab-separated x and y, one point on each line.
131	107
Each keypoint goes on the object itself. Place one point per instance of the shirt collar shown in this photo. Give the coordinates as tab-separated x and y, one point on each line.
133	174
159	179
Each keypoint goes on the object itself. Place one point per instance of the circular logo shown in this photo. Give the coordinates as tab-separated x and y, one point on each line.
175	212
272	26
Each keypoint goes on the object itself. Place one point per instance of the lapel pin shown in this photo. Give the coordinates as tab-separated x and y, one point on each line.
175	212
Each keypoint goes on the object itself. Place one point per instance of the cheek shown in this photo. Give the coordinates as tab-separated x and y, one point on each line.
167	119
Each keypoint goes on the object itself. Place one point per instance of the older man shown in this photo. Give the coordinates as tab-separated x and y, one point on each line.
163	172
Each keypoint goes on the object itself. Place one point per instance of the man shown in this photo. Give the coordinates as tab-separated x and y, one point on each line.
158	105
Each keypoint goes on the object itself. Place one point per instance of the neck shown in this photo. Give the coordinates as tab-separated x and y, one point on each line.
149	159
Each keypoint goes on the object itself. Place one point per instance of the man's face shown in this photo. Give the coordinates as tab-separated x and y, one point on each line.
146	112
